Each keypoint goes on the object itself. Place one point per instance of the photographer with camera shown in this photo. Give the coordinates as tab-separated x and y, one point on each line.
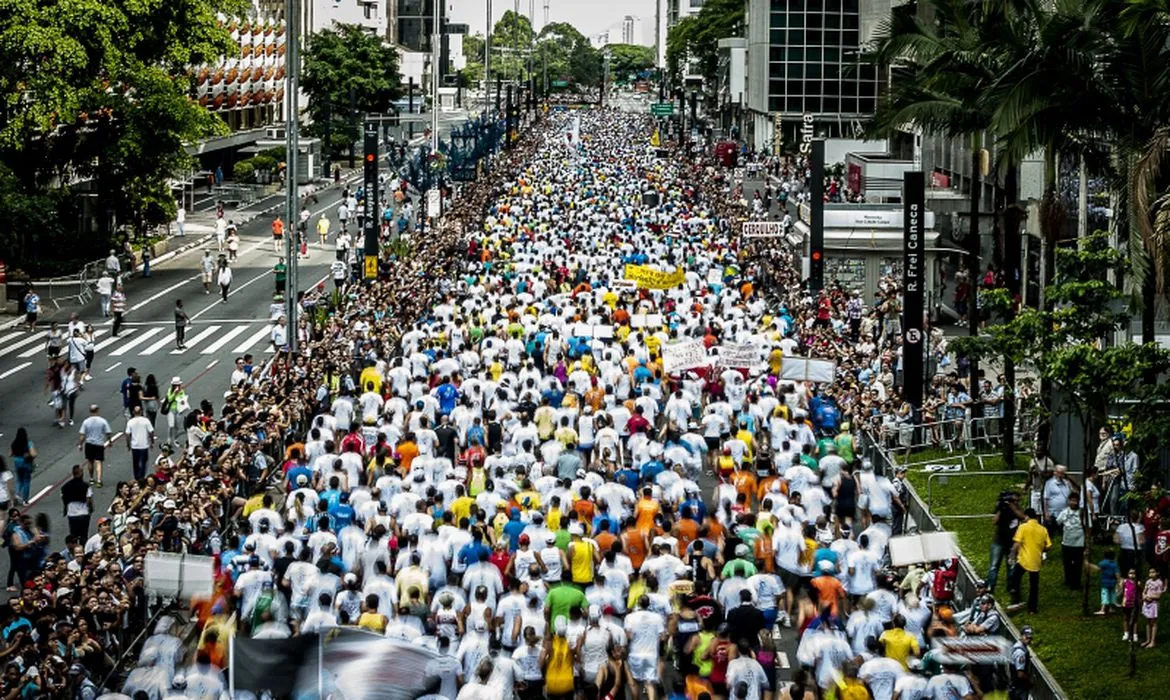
1006	517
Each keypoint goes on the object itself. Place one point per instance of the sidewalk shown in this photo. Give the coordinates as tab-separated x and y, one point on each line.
200	230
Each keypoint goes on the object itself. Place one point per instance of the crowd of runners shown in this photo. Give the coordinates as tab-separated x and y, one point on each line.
484	453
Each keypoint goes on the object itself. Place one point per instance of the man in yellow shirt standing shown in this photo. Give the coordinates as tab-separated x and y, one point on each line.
1031	542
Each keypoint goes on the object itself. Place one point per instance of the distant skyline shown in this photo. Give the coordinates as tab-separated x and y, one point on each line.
588	16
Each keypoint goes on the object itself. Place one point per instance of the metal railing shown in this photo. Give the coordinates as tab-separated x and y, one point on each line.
1044	685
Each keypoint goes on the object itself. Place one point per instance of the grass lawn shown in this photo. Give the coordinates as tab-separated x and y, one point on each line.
1086	655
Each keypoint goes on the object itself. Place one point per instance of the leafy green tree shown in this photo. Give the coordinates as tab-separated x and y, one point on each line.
347	73
629	59
568	53
1069	344
99	93
696	38
512	38
473	50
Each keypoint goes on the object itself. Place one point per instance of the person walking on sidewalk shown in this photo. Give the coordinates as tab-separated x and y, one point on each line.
105	287
91	438
224	278
182	320
277	235
207	266
77	504
181	220
280	274
118	307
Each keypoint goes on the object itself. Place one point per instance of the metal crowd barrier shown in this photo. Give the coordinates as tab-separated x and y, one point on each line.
1044	685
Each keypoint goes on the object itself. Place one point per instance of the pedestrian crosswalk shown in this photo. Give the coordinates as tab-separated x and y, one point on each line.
142	341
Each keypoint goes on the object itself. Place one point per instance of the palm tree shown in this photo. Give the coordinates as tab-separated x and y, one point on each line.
945	61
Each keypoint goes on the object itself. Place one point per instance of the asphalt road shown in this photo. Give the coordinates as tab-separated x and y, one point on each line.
219	333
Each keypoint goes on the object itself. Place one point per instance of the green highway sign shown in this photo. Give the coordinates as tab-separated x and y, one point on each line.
662	109
560	83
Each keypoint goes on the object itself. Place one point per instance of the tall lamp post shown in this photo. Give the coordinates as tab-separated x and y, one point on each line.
292	144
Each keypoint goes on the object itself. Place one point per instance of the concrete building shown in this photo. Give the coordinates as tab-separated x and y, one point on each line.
631	30
804	63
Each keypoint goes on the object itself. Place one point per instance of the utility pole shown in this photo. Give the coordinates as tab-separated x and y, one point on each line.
487	60
436	40
291	144
659	58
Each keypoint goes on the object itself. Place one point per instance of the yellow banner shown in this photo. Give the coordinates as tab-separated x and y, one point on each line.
655	140
649	278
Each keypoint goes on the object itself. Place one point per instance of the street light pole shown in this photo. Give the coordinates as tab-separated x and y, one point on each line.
436	39
487	61
292	144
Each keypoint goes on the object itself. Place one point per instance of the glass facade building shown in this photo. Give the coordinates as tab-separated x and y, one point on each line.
813	60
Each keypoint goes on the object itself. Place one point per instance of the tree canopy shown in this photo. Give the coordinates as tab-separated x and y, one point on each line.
696	38
97	96
347	72
629	59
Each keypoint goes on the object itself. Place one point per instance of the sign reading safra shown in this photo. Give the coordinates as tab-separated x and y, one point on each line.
662	109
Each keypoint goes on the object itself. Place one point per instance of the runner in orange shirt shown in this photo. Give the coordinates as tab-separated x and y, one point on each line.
634	544
645	511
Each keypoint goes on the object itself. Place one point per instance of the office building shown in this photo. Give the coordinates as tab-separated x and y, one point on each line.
805	65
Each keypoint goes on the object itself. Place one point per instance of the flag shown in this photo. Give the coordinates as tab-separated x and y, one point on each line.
655	140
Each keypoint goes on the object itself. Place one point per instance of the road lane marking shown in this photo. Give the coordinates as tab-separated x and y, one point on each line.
223	340
211	364
168	338
14	370
136	342
21	343
255	338
65	350
114	366
113	339
39	495
232	293
200	336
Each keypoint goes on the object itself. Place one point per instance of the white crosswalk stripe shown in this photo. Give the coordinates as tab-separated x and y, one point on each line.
146	335
224	340
113	339
253	339
196	338
169	338
35	350
145	340
21	343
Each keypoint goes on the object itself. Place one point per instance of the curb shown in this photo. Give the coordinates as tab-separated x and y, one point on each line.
347	178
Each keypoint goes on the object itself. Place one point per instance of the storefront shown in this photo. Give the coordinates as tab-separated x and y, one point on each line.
863	244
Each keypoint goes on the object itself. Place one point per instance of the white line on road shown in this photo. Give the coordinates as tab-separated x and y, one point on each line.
255	338
22	343
113	339
232	293
784	664
114	366
114	438
200	336
32	351
136	342
14	370
224	340
40	494
9	337
168	338
211	364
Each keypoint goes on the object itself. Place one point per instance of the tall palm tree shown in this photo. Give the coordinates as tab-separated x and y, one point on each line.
946	60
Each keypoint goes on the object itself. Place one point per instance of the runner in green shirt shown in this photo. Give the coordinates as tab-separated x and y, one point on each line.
280	273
